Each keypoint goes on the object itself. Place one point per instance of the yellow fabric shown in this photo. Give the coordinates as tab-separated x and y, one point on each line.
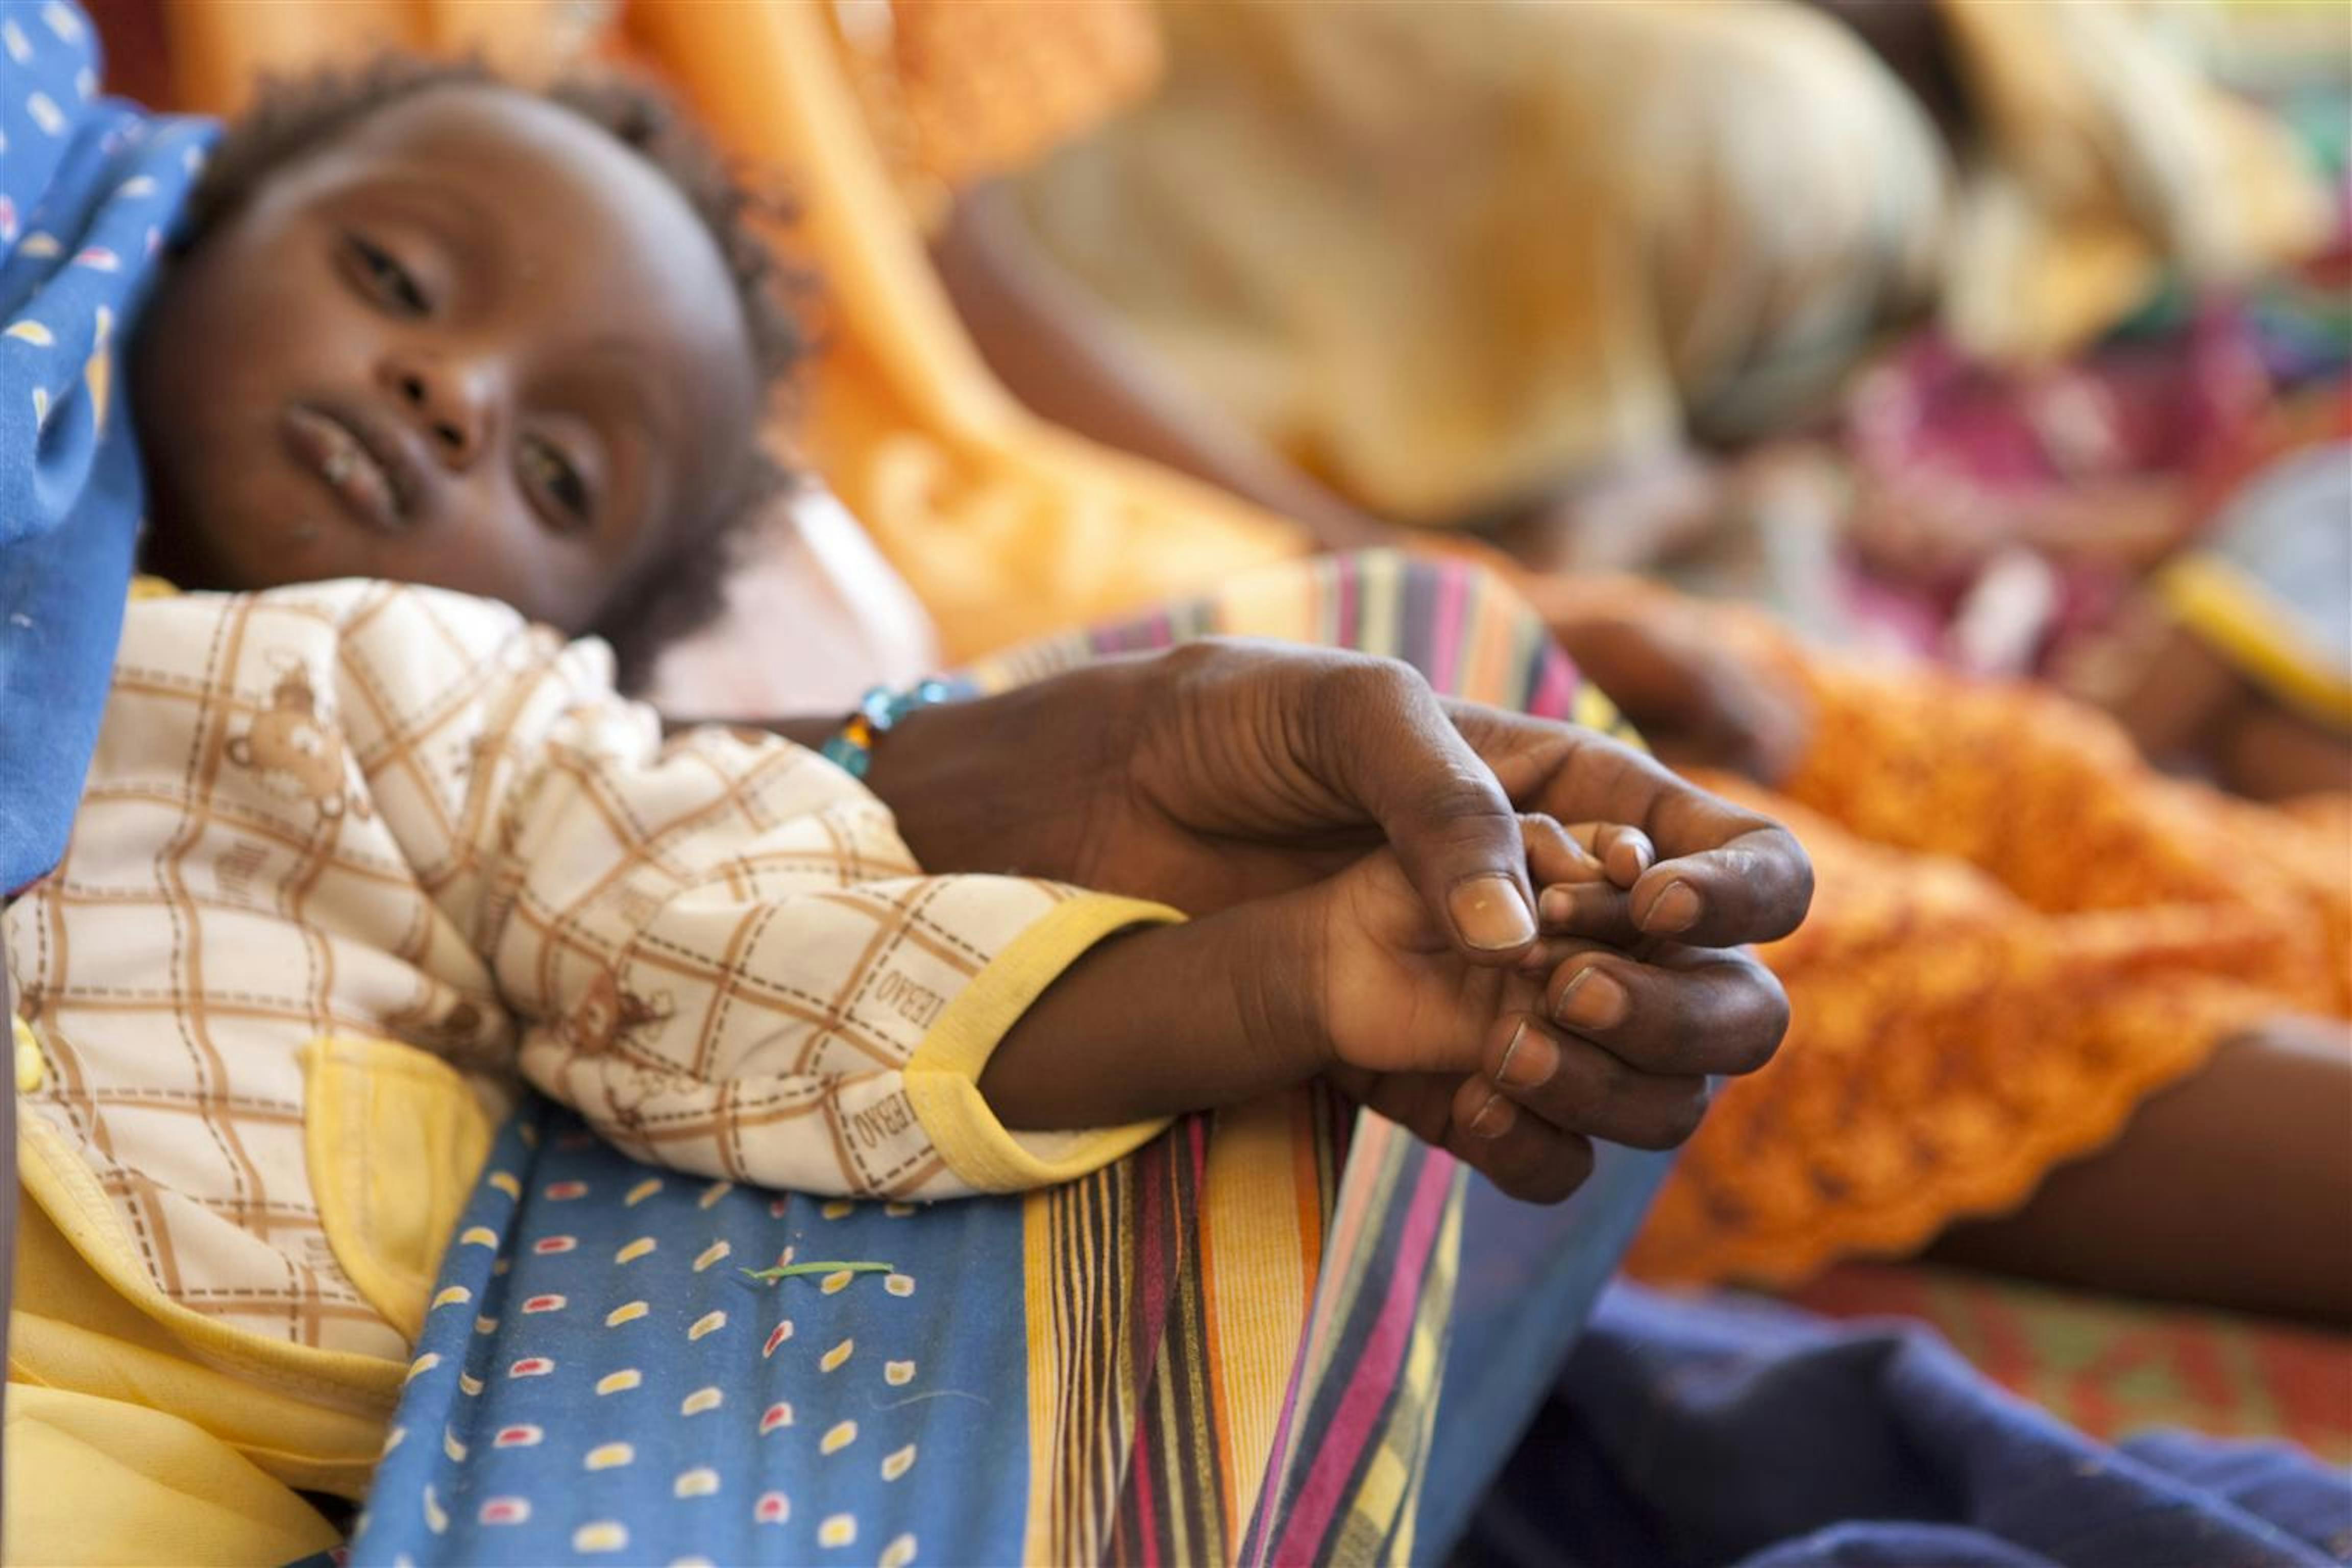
1451	257
2107	158
107	1481
394	1141
30	1069
73	1331
2232	612
943	1074
55	1178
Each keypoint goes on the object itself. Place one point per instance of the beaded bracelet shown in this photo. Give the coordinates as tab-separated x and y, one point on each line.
852	748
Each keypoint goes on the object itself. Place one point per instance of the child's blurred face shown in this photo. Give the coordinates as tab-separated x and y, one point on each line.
472	341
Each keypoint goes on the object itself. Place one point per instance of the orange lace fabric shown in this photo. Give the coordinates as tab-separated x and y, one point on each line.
2019	932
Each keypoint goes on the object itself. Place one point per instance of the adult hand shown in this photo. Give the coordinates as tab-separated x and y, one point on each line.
1222	772
1694	701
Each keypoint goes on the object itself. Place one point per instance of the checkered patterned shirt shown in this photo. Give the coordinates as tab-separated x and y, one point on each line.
360	810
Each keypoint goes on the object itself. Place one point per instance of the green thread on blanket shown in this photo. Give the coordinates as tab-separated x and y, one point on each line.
787	1270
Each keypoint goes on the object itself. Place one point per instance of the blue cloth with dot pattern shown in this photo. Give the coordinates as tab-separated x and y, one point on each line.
90	189
599	1380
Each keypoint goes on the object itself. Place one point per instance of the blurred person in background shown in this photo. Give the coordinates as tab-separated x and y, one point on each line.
1563	277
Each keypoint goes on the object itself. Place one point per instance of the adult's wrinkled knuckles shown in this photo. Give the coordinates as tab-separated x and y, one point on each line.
1375	685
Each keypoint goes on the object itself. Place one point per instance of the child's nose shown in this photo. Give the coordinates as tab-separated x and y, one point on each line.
450	402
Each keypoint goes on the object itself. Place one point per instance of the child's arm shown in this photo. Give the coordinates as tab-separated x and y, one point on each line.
1513	1069
718	950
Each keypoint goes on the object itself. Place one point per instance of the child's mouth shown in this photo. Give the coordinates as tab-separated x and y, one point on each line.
342	454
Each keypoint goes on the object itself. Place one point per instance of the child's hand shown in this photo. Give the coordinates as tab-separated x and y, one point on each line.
1513	1069
1394	993
1430	1040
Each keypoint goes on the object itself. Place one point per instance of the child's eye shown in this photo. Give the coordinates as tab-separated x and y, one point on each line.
381	275
548	474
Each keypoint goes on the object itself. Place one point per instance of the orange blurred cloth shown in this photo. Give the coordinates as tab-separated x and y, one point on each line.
2019	930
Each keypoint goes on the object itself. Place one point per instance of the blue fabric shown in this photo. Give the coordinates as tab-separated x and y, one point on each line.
1530	1274
1693	1434
548	1421
90	189
503	1452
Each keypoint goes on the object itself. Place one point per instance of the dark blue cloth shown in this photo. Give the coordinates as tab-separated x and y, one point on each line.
1529	1276
89	188
1692	1433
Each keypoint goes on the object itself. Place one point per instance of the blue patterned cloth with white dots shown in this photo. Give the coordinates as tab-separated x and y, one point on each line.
90	188
602	1379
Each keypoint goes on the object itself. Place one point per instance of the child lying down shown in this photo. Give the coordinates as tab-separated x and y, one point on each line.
446	366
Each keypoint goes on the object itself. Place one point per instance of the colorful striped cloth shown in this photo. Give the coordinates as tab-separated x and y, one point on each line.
1282	1333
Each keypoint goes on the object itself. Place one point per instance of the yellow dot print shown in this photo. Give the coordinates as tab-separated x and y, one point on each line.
605	1535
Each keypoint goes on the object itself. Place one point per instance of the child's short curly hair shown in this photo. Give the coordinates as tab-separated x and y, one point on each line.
290	116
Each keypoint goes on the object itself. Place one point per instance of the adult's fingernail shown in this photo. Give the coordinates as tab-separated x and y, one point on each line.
1529	1059
1675	910
1490	913
1494	1118
1592	1001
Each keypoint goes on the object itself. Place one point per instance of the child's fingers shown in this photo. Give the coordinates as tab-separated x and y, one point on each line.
1577	853
1556	855
1624	851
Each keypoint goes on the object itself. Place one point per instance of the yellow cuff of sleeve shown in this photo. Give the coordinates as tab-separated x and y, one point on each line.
2232	612
942	1078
